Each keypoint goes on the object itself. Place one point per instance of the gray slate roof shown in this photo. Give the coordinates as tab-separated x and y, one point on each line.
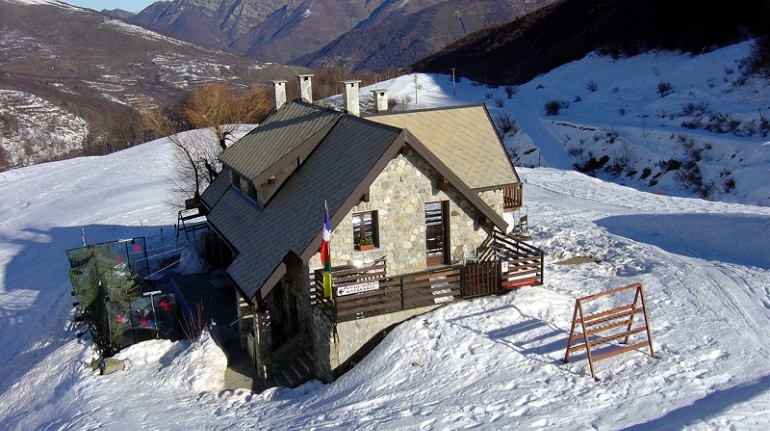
279	134
216	189
294	218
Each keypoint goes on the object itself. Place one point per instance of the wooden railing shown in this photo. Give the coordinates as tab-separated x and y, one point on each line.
512	197
374	294
365	292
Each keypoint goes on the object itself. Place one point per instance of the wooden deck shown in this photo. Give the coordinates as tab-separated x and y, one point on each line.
363	292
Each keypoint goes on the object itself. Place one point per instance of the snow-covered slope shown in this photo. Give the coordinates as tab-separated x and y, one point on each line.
36	130
492	363
670	124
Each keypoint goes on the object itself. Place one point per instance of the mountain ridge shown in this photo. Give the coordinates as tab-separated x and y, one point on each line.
67	57
518	51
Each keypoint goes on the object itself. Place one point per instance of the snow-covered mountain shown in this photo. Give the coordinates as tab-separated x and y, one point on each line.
62	66
661	122
492	363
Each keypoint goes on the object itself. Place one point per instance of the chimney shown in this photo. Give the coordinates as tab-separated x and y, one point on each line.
350	97
380	100
279	87
305	88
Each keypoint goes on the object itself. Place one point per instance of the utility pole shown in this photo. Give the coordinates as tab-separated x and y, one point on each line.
454	93
415	90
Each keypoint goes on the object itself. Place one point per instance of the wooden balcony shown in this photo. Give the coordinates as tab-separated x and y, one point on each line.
512	197
506	263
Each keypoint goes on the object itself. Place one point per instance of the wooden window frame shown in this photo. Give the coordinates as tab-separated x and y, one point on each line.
359	229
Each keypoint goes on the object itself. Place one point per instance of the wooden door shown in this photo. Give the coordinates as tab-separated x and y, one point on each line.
436	233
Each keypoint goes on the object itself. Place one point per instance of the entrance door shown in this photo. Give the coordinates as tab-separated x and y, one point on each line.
436	232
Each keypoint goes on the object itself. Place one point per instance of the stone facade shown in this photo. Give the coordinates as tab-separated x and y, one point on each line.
398	195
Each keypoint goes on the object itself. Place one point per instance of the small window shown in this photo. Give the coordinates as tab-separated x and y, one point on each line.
365	230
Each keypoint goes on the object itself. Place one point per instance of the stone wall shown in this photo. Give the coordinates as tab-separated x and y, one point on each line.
356	333
324	347
399	195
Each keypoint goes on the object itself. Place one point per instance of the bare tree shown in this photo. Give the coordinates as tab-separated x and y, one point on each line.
217	107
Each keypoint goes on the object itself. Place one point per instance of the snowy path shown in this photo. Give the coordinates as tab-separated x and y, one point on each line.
552	150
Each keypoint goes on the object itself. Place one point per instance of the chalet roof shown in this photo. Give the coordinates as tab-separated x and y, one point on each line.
280	133
462	137
293	219
217	188
341	166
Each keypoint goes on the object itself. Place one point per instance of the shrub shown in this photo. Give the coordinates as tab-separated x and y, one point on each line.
764	127
693	124
552	107
510	91
664	88
506	123
592	164
499	103
592	86
728	185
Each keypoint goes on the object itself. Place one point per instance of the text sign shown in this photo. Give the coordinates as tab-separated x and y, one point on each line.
365	286
504	267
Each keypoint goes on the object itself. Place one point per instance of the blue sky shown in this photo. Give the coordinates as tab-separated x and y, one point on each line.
129	5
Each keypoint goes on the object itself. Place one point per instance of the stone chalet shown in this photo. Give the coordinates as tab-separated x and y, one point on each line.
418	203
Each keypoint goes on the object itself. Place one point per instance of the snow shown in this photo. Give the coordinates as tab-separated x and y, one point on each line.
490	363
45	2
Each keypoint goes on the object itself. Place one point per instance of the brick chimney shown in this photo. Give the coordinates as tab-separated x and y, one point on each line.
305	88
350	97
279	87
380	100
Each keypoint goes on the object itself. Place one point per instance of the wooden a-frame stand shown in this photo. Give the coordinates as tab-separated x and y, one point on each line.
609	325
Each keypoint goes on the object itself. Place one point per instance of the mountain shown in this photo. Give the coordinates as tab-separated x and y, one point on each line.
398	39
96	72
118	13
569	29
359	34
214	23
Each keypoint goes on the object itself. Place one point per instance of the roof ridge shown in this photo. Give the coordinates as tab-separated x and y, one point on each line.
438	108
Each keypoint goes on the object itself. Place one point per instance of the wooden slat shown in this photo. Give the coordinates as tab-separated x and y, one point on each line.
594	316
610	292
617	351
612	317
604	340
600	329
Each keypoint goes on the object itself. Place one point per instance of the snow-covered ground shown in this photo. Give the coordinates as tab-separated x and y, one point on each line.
491	363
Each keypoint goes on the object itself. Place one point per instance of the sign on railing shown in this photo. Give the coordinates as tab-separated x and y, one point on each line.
365	286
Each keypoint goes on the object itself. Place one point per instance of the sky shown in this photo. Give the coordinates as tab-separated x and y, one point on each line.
129	5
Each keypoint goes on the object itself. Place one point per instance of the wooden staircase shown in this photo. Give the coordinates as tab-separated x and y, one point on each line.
292	366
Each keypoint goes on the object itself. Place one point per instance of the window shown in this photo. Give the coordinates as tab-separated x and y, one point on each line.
365	230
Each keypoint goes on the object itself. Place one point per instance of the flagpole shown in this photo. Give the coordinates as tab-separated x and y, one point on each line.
326	253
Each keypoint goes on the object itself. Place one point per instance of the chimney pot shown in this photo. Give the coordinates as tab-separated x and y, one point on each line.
350	97
306	88
380	100
279	90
